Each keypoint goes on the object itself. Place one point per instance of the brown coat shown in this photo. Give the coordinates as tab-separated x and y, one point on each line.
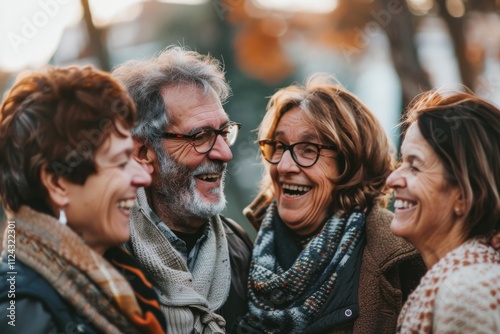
391	268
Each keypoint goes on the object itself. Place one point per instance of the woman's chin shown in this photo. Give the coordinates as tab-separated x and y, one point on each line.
290	219
400	228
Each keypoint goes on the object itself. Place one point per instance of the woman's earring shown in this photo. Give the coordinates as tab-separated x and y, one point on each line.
62	217
458	212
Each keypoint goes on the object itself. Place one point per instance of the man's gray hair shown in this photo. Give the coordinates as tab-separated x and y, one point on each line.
175	65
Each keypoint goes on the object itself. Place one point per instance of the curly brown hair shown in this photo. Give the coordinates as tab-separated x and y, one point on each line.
56	119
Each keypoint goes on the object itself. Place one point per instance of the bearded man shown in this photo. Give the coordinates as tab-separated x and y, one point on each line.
196	258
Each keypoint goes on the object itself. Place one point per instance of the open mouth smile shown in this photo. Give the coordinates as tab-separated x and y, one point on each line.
293	190
403	204
125	205
208	177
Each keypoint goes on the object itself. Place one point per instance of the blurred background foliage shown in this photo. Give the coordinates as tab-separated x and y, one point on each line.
385	51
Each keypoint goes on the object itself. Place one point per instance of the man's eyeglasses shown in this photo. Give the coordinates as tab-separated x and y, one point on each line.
204	140
304	154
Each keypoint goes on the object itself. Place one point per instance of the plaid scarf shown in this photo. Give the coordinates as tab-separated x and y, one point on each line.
286	294
84	279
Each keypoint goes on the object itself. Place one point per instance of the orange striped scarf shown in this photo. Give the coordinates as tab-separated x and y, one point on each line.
153	320
89	283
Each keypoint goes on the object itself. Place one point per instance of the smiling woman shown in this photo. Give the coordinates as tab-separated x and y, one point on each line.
448	206
324	260
67	182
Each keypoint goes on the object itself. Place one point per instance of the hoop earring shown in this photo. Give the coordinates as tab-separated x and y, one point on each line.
62	217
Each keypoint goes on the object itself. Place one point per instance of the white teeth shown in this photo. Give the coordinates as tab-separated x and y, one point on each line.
208	176
294	187
125	204
402	204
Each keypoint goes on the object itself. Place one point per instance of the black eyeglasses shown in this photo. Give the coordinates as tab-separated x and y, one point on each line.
204	140
304	154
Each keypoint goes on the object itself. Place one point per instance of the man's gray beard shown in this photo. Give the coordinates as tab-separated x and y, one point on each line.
177	188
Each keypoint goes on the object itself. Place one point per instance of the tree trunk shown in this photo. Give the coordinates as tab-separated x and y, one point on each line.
456	30
400	30
97	38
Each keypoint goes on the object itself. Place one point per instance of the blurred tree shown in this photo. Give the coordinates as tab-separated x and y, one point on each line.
470	58
400	29
96	39
262	33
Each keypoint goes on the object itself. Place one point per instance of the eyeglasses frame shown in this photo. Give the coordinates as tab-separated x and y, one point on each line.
191	138
290	148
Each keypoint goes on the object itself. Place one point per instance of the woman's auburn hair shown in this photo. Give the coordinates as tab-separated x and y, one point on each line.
464	132
364	152
56	118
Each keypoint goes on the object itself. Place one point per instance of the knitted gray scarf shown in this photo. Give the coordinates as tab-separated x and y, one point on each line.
285	298
188	299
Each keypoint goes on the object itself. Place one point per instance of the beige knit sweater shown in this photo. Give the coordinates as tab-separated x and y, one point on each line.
459	294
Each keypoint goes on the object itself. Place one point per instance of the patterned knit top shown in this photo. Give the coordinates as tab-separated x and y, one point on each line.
459	294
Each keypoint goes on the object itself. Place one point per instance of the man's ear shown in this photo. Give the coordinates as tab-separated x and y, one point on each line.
144	155
56	188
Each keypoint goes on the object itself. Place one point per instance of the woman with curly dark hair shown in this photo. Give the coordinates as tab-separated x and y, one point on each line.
67	183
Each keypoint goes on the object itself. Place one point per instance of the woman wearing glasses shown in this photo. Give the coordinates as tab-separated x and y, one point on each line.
324	259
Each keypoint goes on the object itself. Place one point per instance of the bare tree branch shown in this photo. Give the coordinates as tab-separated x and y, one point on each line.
400	30
97	38
456	30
